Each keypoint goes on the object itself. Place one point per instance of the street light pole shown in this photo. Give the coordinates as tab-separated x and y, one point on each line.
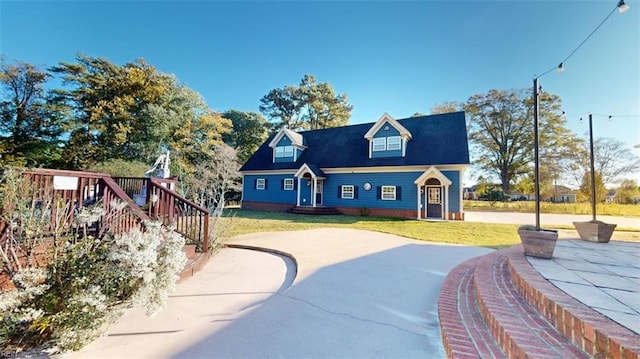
593	171
535	150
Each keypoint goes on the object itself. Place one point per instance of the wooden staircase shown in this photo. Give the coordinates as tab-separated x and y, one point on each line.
322	211
82	189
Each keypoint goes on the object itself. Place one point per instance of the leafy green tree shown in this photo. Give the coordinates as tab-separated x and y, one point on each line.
250	130
30	125
500	133
629	192
196	141
584	193
310	105
446	107
120	168
500	126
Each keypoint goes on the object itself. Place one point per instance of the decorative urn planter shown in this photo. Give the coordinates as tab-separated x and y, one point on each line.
538	243
595	231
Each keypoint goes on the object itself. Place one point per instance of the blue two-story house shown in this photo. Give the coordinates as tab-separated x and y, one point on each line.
411	168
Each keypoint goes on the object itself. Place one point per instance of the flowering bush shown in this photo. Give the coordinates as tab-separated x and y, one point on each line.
71	301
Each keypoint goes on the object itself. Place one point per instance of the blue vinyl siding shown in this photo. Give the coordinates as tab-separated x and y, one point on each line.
284	141
274	193
454	190
369	199
386	133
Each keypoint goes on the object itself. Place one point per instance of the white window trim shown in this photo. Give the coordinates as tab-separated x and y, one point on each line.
283	151
382	193
381	142
396	145
344	192
260	184
288	184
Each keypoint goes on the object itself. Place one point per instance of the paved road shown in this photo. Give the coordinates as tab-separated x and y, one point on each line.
355	294
546	219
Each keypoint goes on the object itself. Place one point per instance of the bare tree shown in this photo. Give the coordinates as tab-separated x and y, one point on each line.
612	161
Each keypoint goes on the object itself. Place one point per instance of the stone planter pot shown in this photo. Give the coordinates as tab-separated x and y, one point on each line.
595	231
538	243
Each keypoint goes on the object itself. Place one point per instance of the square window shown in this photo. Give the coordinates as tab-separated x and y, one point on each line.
380	144
288	184
261	183
394	143
347	192
388	193
288	151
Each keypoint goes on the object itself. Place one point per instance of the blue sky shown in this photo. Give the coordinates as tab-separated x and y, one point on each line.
398	57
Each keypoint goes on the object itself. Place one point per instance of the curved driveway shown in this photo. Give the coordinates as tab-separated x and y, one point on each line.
356	294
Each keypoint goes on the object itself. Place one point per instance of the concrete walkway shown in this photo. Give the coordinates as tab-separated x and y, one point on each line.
356	294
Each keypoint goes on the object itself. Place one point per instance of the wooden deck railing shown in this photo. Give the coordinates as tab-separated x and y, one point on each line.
186	217
80	189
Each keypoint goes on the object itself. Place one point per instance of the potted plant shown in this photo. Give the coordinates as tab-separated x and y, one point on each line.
538	242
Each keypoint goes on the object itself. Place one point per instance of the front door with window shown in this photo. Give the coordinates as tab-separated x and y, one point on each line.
434	202
319	193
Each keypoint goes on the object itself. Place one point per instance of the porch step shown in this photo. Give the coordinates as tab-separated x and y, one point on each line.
314	210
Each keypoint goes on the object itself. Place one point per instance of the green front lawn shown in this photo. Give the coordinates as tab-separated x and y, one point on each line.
238	222
611	209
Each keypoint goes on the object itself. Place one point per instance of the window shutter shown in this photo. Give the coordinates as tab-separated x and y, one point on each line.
255	183
398	193
339	191
282	184
266	181
355	192
295	183
379	192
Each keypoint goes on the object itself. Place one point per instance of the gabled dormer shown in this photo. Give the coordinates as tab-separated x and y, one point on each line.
387	138
287	146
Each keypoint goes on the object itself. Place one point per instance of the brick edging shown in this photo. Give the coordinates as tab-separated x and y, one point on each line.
520	330
591	331
464	333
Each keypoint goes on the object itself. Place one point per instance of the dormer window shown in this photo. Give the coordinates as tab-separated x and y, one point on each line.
284	151
387	138
287	146
394	143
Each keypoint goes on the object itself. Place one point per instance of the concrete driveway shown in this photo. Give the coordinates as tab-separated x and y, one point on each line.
546	218
356	294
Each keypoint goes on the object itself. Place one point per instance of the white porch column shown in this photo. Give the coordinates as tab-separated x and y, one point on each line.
313	191
446	203
298	193
418	187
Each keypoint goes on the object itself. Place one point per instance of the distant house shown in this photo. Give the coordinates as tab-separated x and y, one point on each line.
562	194
409	168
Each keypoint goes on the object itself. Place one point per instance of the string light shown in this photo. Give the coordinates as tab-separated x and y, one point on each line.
621	7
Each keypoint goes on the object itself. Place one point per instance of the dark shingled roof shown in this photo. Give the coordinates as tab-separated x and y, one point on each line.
437	140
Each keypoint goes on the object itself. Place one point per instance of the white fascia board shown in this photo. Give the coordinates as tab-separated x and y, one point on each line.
386	118
421	168
268	172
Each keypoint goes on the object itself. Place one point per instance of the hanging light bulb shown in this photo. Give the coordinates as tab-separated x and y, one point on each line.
560	68
622	7
581	120
610	117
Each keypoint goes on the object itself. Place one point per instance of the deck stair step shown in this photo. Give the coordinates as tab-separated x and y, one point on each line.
483	315
321	210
